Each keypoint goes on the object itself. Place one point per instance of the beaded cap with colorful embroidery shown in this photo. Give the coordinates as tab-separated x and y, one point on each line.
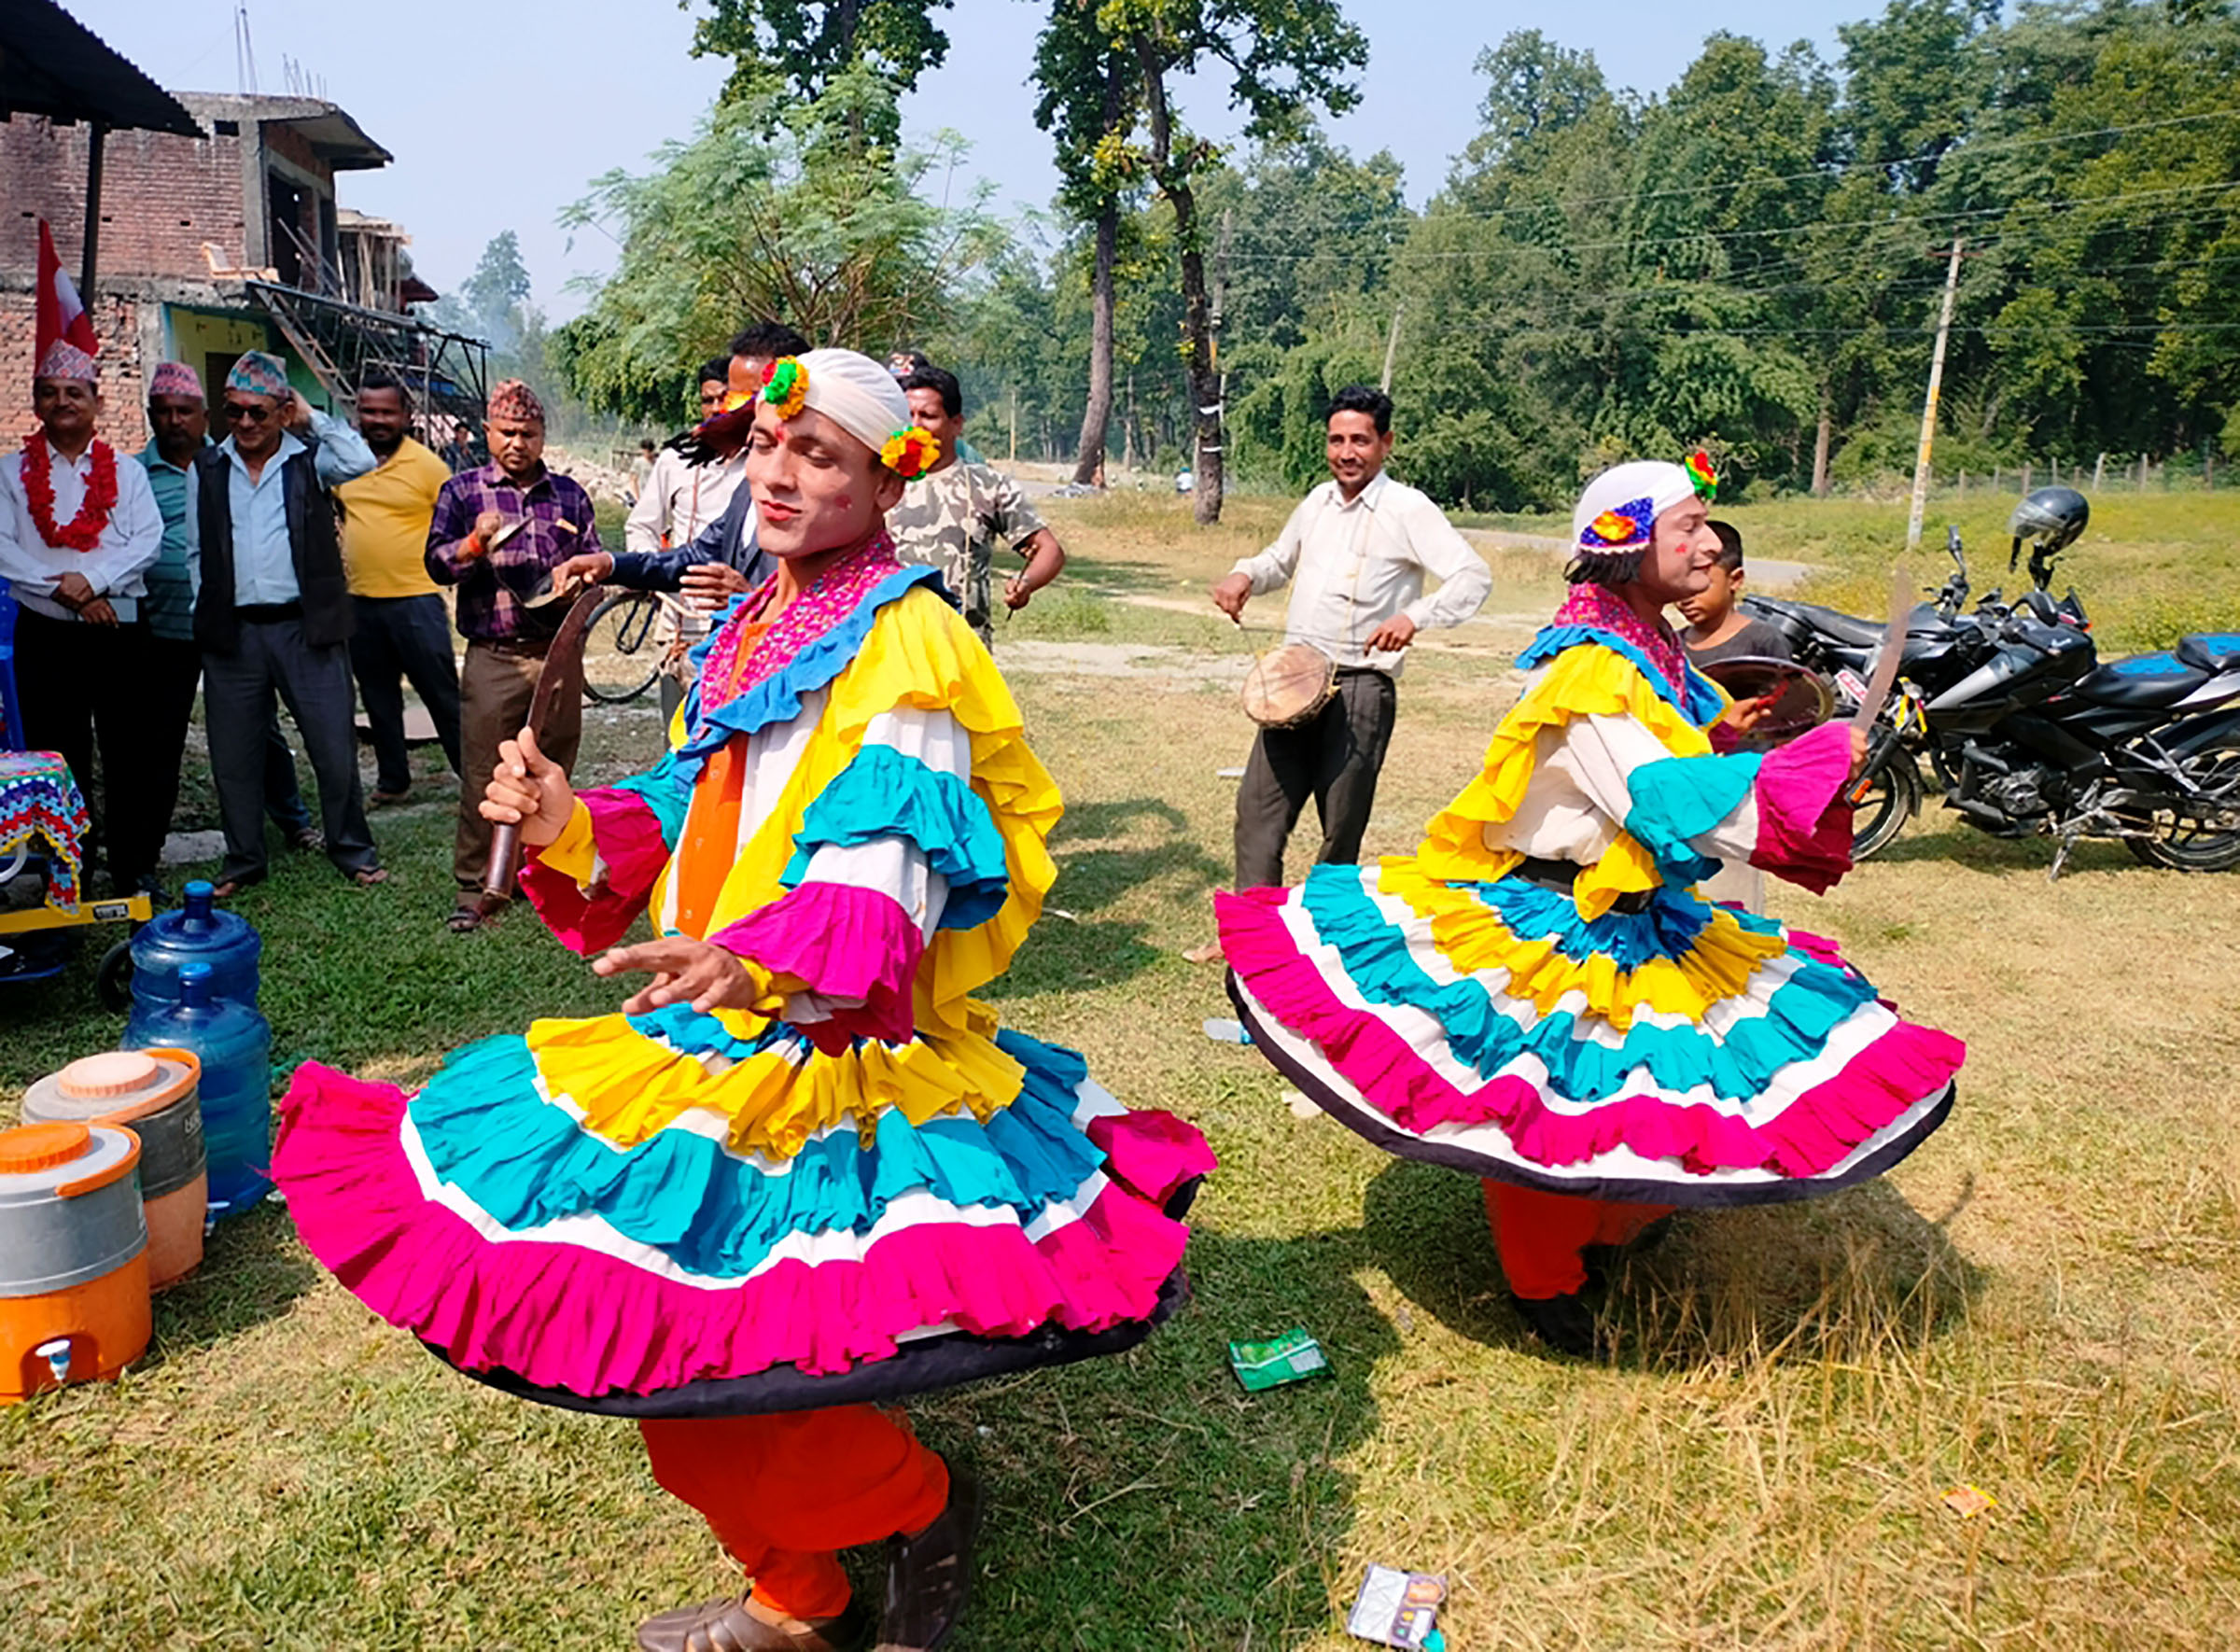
1617	514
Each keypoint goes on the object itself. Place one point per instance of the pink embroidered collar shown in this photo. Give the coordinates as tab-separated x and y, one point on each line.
834	595
1597	608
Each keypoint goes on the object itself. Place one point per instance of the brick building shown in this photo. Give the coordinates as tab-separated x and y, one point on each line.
212	245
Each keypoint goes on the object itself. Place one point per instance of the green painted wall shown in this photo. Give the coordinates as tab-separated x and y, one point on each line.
209	341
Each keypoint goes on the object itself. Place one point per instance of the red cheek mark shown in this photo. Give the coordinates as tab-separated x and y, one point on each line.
845	502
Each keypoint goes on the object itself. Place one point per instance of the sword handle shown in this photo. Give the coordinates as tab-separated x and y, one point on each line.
505	851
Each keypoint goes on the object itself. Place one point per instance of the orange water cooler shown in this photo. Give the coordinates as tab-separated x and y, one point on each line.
157	1093
74	1292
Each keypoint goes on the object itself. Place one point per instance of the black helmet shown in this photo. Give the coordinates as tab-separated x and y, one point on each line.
2052	517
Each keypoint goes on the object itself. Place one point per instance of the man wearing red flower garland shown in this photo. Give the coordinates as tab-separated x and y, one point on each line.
77	532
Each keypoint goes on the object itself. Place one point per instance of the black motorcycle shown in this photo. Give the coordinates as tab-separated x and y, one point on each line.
1943	646
2048	742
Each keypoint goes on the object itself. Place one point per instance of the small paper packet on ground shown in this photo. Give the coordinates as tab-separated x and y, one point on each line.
1292	1357
1398	1608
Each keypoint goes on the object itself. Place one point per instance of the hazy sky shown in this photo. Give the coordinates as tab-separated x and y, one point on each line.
500	114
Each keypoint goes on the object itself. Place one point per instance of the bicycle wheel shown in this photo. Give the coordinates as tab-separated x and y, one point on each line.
620	656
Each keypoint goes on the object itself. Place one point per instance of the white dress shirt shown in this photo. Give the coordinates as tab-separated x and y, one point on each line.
1356	562
679	499
131	539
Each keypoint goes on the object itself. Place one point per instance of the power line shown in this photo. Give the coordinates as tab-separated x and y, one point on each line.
1890	221
1963	150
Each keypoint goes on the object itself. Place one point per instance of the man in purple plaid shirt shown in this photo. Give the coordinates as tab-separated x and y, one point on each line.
506	638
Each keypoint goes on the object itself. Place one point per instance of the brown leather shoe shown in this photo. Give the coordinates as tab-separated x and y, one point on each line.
930	1577
727	1626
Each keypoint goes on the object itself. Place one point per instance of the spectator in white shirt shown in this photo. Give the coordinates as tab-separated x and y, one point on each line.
78	530
678	500
1357	549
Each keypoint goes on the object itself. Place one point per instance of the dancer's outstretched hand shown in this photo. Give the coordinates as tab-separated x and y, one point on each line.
684	971
1744	716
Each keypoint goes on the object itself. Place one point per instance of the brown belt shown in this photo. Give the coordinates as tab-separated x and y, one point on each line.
515	648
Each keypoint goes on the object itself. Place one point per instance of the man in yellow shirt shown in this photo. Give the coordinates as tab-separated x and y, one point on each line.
403	631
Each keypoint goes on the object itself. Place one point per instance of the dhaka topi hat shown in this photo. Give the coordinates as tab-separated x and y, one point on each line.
175	378
260	372
510	398
66	361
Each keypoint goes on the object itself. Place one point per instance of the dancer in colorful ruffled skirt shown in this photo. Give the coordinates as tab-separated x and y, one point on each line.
1540	996
804	1170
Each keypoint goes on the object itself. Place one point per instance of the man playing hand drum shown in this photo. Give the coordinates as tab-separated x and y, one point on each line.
1358	548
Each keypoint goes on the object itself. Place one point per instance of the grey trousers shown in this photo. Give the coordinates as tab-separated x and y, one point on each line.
237	706
1334	758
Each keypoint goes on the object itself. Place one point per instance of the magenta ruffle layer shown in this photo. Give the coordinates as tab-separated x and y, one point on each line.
1812	1135
1803	826
562	1316
843	942
630	843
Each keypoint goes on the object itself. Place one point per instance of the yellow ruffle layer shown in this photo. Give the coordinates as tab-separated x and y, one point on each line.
1717	965
1582	681
921	653
629	1087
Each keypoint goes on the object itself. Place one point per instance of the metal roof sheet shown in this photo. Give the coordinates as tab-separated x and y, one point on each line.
52	64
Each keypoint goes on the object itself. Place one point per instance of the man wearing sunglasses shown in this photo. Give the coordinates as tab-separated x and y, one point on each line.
273	612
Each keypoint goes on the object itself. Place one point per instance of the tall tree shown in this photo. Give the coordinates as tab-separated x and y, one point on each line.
778	209
499	288
1086	103
805	44
1284	60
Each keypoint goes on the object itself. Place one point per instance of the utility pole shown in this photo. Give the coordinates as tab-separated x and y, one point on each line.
1928	406
1391	349
1218	413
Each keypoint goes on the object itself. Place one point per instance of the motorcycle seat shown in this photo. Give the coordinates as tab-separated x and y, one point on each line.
1842	626
2214	651
2144	682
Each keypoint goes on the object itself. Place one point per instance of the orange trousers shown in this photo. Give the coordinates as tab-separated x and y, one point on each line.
783	1492
1540	1236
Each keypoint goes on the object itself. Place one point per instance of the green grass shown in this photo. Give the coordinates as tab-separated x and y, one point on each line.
2044	1301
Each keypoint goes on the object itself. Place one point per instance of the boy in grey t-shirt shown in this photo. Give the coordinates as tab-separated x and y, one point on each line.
1717	629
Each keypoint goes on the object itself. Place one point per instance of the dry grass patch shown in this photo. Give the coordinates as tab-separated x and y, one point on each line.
2043	1302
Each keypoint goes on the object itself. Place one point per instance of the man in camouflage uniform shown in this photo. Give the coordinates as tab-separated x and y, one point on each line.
951	517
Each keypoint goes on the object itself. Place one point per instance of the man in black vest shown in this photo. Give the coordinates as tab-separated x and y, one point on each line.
273	612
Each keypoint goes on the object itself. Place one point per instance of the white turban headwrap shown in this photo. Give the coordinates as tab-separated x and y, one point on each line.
1621	505
853	390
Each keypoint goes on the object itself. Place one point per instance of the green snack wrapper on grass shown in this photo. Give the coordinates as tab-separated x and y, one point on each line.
1293	1357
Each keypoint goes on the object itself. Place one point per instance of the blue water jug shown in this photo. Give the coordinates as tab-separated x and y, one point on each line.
236	1047
200	933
